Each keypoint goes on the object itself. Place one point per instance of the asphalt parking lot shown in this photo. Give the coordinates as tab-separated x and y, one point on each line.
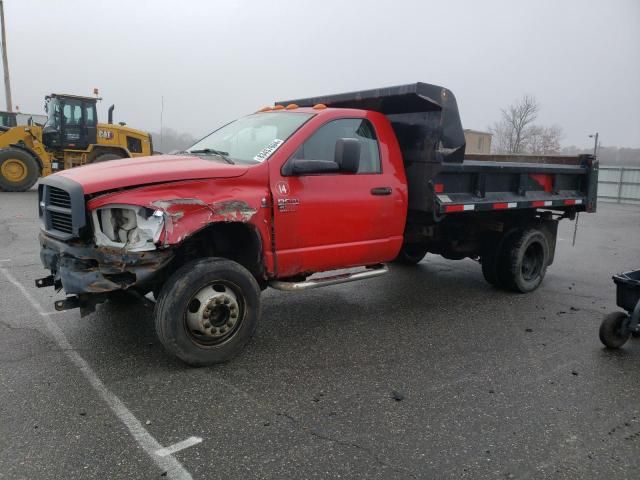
427	372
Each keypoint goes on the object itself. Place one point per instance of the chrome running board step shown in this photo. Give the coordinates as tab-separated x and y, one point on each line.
370	272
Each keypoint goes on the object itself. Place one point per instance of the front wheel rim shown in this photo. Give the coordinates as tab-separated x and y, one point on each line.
214	314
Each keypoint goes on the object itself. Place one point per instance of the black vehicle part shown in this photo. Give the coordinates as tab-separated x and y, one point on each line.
627	290
493	259
207	311
411	253
614	330
61	207
523	261
86	269
628	297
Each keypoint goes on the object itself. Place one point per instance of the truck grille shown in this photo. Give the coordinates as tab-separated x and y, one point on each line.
61	221
61	207
59	198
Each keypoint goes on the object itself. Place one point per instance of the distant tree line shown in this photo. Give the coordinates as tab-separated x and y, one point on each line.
171	141
614	156
517	132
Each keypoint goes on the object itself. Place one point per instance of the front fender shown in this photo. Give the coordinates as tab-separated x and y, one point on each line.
191	206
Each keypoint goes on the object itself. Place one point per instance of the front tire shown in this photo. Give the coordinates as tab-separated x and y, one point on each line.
612	333
19	171
207	311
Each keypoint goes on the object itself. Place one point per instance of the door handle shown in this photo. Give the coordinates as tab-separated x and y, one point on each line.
381	191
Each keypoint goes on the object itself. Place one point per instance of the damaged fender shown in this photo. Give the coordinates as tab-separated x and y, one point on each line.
188	207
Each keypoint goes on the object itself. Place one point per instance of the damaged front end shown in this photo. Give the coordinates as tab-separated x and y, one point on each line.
125	240
91	254
88	272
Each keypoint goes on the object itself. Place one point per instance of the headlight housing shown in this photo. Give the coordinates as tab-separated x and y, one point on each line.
134	228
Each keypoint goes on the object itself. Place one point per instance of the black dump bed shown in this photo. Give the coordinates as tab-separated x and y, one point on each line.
443	180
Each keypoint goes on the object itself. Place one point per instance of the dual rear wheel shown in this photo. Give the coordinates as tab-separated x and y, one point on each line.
519	260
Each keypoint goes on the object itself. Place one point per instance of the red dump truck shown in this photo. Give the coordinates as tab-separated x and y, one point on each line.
308	186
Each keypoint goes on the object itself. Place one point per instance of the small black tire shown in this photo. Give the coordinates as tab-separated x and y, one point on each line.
411	254
612	334
215	343
525	261
19	170
105	157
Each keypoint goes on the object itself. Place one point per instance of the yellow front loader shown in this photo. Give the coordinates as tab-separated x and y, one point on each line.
70	137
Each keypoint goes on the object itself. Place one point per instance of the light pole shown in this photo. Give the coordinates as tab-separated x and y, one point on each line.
595	158
5	62
595	144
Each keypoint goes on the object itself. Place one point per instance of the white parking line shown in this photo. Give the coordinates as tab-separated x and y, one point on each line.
176	447
175	470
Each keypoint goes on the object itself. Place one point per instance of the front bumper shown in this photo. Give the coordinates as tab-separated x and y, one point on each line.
84	269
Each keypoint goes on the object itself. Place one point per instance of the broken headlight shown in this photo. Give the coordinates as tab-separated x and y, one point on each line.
134	228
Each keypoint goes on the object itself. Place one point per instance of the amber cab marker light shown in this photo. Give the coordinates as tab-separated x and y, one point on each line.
319	106
279	107
266	109
292	106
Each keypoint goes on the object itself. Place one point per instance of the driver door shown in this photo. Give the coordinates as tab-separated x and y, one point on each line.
336	220
78	124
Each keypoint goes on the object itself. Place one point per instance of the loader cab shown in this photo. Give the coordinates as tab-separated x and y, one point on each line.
71	122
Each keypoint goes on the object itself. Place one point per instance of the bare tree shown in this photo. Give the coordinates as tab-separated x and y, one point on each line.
510	134
543	140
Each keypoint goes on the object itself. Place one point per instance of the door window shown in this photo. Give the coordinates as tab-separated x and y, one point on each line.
72	113
322	144
90	114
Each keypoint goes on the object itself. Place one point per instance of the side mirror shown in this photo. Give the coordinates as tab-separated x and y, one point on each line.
299	166
347	154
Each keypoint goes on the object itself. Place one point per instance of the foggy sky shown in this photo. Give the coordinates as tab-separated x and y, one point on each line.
216	60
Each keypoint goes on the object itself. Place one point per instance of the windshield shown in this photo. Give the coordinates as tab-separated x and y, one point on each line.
52	107
251	139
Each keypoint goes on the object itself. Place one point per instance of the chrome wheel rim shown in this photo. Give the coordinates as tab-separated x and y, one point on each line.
213	314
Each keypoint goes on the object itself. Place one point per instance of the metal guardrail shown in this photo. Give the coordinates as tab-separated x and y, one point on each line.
619	184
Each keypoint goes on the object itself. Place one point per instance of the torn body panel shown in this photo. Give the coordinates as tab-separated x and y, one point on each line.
189	207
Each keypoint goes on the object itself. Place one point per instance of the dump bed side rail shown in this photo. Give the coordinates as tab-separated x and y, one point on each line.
485	185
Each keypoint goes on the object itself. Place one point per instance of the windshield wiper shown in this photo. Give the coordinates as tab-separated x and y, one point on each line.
217	153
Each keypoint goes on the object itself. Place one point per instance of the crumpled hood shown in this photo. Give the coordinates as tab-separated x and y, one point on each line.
130	172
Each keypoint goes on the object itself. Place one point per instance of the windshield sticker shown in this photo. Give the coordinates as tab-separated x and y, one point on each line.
268	150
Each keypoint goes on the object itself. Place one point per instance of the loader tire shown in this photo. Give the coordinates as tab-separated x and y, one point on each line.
19	170
207	311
